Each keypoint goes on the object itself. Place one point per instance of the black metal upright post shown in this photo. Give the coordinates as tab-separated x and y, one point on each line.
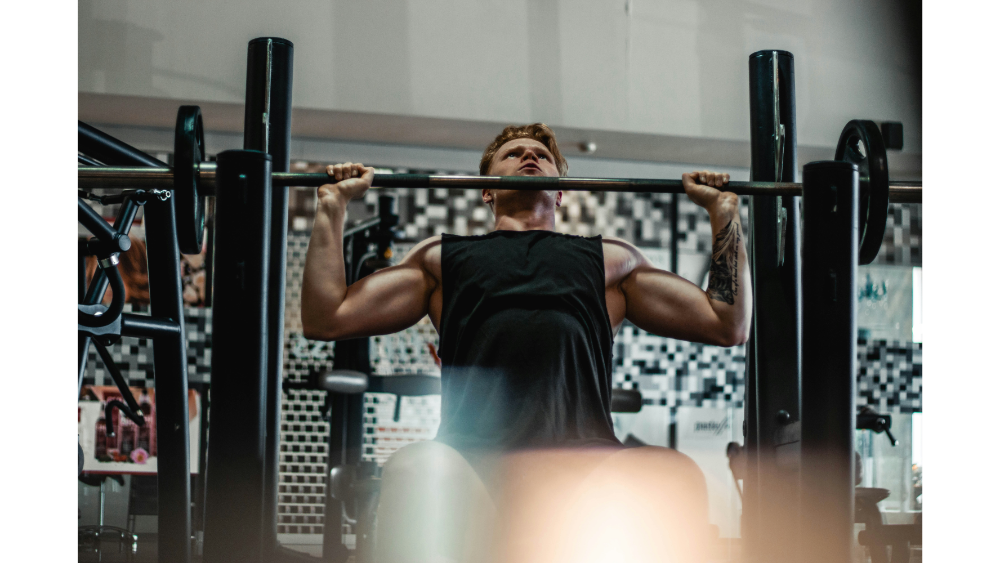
267	128
169	350
82	272
829	358
346	421
773	352
236	437
170	366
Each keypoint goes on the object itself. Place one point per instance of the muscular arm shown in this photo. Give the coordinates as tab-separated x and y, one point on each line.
668	305
729	271
386	301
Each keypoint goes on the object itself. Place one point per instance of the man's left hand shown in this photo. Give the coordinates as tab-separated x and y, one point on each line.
703	187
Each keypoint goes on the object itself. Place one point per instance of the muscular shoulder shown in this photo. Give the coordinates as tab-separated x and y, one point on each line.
621	258
426	255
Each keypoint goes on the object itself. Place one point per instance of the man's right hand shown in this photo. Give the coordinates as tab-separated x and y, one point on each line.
352	181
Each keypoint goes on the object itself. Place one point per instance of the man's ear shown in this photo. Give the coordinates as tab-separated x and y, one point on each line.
487	196
558	199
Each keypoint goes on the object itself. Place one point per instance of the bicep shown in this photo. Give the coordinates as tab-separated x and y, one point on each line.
384	302
668	305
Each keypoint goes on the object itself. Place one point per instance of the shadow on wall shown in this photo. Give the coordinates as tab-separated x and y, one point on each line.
380	70
117	57
123	60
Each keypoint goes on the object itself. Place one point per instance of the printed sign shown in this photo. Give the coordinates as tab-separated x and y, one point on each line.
129	447
702	435
712	428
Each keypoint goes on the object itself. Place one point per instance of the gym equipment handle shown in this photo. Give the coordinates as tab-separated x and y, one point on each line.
120	177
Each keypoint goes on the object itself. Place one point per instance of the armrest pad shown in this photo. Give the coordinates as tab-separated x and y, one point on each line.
405	385
344	381
626	400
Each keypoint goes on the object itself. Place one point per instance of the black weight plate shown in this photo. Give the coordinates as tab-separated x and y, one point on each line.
861	143
189	203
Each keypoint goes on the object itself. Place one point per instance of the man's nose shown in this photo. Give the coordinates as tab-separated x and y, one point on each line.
530	154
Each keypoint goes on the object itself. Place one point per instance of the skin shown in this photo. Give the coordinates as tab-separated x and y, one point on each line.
395	298
541	505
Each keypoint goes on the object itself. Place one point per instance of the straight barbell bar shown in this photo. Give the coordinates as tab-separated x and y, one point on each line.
91	177
192	178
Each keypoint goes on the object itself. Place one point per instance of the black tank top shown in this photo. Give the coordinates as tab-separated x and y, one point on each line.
525	342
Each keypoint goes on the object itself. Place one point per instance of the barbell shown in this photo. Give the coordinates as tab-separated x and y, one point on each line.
130	176
192	179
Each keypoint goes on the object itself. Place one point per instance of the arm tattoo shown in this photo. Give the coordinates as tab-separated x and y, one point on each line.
722	283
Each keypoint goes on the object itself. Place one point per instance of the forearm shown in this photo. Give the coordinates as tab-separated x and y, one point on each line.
729	289
324	281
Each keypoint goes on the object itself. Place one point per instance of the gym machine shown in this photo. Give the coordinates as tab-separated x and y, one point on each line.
104	326
797	280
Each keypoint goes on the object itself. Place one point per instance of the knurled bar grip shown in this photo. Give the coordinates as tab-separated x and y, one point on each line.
121	177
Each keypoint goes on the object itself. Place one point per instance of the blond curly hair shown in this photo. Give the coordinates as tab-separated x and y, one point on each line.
537	131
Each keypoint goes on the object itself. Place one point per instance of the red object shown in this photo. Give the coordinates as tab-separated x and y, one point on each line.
101	443
128	437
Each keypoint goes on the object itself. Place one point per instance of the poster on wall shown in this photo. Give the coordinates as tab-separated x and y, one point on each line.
132	266
885	302
129	448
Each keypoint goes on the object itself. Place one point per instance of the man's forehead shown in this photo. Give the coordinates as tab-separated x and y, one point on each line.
523	141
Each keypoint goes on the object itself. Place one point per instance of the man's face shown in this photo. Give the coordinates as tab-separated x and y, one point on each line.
523	157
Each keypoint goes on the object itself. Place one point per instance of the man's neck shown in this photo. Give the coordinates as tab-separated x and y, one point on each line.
525	221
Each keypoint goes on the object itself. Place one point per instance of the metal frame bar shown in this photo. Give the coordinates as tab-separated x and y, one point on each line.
145	326
96	144
170	364
95	223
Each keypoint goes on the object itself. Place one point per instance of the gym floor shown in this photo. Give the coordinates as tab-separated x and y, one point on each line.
727	550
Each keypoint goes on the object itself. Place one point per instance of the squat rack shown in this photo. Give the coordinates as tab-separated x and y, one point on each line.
786	421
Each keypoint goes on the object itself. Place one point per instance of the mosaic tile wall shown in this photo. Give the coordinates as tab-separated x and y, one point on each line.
668	372
901	244
134	356
890	376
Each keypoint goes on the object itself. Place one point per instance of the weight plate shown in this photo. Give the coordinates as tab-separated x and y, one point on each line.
189	203
861	143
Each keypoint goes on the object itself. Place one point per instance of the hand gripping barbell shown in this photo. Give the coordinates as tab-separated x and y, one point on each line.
192	179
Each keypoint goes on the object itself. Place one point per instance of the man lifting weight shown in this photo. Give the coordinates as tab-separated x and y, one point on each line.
525	466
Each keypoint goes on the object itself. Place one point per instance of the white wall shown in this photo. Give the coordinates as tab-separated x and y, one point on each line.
666	68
